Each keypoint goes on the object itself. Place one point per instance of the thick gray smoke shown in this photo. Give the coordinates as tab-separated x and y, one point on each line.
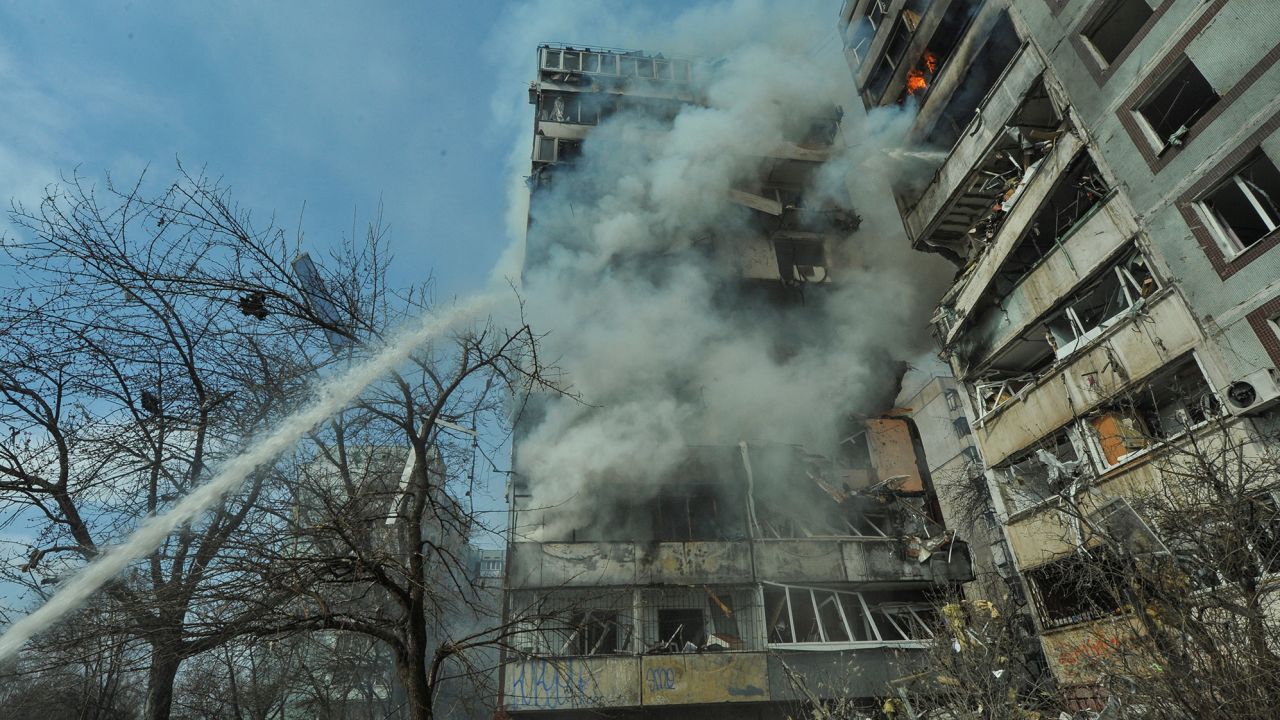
632	262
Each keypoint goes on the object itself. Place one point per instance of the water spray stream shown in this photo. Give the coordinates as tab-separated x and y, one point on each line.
333	396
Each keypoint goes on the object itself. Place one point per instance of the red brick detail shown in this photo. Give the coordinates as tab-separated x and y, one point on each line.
1259	320
1127	112
1186	204
1101	73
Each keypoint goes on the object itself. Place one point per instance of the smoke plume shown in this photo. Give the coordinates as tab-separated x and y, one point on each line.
632	260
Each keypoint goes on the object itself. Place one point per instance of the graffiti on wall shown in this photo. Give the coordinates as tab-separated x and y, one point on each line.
555	683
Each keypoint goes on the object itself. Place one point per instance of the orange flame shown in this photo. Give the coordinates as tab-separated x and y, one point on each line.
931	62
916	82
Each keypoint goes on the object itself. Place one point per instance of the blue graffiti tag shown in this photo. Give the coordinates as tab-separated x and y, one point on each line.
662	679
553	684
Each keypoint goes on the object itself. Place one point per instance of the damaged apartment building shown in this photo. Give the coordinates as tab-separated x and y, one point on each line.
1108	186
760	575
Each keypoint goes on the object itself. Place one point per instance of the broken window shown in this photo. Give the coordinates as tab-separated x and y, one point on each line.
1078	191
1168	405
1116	26
857	40
699	619
1177	104
644	68
961	427
876	10
573	623
798	614
594	632
1243	210
800	260
608	64
1040	473
1118	290
550	59
681	629
1082	587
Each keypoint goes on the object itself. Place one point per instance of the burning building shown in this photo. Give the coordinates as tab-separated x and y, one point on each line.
1108	191
727	518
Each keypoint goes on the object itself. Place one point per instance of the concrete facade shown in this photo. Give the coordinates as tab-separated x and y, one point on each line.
784	564
1107	188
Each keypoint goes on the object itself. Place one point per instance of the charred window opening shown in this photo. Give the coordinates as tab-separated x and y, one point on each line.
961	427
1115	27
942	43
1040	473
800	259
1079	190
681	628
1078	588
797	614
1177	104
1236	544
1243	209
691	514
1176	401
987	67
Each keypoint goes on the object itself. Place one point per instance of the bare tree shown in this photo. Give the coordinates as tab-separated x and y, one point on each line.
1166	586
155	331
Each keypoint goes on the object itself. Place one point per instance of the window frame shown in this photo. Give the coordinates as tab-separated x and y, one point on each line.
1226	238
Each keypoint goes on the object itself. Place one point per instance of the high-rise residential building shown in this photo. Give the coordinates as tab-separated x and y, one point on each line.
760	576
1104	174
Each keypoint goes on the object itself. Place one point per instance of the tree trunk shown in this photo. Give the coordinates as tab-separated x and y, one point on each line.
411	667
160	678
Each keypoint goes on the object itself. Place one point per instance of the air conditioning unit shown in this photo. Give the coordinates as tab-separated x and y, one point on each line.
1252	393
809	273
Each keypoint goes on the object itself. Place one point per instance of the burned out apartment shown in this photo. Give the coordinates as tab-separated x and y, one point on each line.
1108	185
757	575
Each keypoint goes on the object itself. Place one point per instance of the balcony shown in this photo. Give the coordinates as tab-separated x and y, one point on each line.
1092	244
536	685
617	564
948	195
1126	350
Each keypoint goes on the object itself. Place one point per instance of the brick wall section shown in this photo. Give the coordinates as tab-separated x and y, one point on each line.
1101	73
1258	319
1224	267
1128	118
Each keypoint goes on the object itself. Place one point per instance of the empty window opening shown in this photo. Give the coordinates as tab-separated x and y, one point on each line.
1078	191
573	623
680	629
1243	209
1040	473
857	41
695	514
1174	402
1176	106
984	71
1078	588
961	427
573	108
1116	26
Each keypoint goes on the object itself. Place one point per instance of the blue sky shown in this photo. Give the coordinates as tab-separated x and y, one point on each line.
336	105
